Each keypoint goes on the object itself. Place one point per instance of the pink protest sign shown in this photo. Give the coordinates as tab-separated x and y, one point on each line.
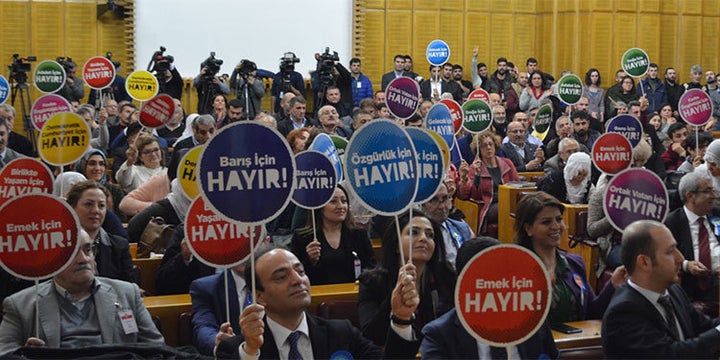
695	107
46	107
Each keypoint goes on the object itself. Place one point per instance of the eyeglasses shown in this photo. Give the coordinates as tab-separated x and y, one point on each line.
436	201
706	191
151	151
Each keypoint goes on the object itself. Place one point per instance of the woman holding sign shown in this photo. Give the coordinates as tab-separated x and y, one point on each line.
433	276
480	180
144	160
340	252
539	227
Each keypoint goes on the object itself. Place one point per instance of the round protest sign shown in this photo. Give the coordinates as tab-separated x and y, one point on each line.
187	174
439	119
569	89
612	153
141	85
49	76
47	237
635	194
98	72
479	94
635	62
437	53
543	119
456	112
326	145
215	241
46	107
430	163
477	116
627	126
402	97
156	112
316	179
64	139
444	149
4	89
247	172
24	176
381	167
502	296
340	144
695	107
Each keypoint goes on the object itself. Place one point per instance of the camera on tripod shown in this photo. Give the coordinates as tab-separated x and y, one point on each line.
109	55
326	64
213	66
20	67
287	66
159	63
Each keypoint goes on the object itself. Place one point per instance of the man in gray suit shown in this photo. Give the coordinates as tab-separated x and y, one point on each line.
77	309
6	154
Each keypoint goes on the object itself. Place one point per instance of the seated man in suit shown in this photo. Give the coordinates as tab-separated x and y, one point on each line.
524	155
446	338
283	294
697	239
6	154
651	317
77	309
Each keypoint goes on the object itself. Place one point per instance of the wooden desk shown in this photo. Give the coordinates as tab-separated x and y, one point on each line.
589	337
507	203
148	268
471	209
377	249
589	253
530	175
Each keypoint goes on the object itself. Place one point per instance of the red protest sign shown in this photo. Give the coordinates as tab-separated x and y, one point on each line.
156	112
37	244
503	295
98	72
217	242
24	176
455	112
479	94
612	153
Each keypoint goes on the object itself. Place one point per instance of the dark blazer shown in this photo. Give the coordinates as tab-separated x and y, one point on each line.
285	126
186	143
446	338
633	328
113	257
10	155
508	151
387	78
174	276
208	309
327	337
677	222
589	305
446	86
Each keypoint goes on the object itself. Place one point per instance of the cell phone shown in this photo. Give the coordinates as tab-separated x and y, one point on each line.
565	328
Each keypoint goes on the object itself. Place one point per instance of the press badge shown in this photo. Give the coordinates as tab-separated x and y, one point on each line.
715	221
127	319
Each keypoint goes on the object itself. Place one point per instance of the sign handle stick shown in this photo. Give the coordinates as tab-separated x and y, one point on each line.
477	146
402	255
227	296
62	183
410	214
697	144
313	223
252	266
642	92
37	308
457	148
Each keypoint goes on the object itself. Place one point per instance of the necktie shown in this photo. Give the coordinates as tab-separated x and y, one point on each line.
498	353
2	162
704	252
248	298
294	353
665	302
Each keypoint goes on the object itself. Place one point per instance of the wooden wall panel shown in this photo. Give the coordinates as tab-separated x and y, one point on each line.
523	40
82	44
371	47
601	56
399	5
711	8
648	30
501	40
477	34
452	5
626	6
625	30
585	44
689	48
431	5
669	7
14	32
426	25
649	6
48	40
691	7
709	53
452	32
372	4
398	35
668	42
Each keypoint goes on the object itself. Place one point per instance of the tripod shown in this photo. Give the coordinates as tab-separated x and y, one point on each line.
242	92
20	88
207	95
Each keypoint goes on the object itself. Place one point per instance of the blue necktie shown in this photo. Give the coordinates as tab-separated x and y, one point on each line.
294	353
248	298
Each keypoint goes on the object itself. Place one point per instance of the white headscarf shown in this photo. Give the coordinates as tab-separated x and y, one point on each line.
575	163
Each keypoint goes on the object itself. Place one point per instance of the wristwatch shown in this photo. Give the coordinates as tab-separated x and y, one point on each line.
400	321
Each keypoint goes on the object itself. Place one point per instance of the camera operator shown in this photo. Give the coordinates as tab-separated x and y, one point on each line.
169	79
73	89
330	72
285	81
244	81
208	84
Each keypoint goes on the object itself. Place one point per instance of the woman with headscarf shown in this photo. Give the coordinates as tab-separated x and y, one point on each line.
570	185
94	166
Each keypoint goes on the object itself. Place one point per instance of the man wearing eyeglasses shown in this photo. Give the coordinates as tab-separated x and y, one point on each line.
77	309
203	128
696	235
454	231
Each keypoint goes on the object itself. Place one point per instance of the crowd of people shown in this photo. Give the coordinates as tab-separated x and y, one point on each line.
404	304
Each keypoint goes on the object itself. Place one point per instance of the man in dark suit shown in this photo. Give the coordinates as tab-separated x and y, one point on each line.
6	154
283	293
524	155
433	88
296	118
203	128
446	338
651	317
399	71
15	141
696	238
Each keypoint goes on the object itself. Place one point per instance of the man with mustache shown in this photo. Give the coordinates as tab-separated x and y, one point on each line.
77	309
6	154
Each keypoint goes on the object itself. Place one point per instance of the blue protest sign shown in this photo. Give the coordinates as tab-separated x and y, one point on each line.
628	126
247	172
4	89
315	179
381	167
437	53
439	119
324	144
430	163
